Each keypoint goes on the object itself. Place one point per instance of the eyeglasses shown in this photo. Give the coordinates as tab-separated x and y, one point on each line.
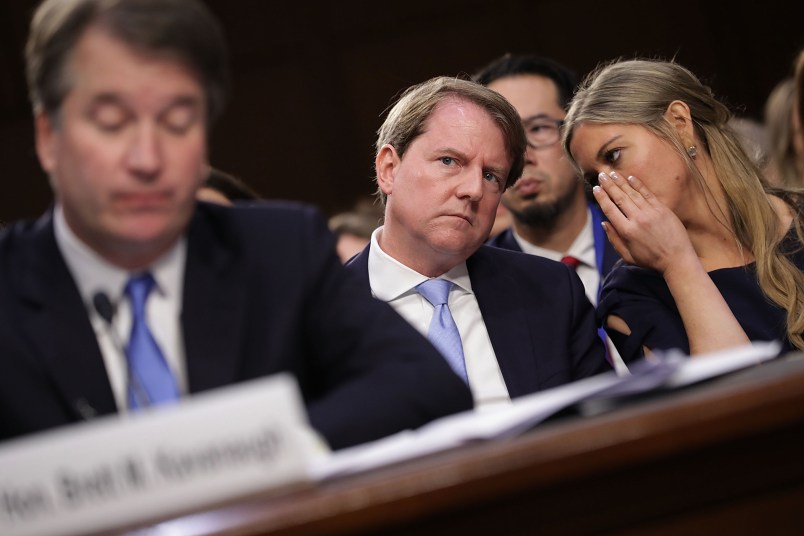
542	132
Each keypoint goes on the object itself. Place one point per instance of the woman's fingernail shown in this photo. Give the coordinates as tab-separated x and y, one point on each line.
596	189
613	175
602	177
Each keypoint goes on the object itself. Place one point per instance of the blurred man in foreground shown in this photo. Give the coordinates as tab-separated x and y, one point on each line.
130	294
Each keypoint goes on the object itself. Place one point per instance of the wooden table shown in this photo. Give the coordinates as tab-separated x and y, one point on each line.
725	457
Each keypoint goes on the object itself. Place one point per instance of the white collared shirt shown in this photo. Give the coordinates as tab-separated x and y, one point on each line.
95	275
395	283
582	248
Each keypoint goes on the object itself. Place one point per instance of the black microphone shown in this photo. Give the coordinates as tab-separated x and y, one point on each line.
106	310
104	307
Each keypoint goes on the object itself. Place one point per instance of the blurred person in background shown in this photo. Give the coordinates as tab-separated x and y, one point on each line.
226	189
354	227
786	163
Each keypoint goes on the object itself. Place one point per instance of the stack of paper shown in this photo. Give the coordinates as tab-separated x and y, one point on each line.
662	371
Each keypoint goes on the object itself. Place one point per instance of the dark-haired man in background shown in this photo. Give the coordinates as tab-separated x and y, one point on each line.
552	216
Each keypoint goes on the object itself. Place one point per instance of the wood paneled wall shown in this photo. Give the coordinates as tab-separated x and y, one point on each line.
311	82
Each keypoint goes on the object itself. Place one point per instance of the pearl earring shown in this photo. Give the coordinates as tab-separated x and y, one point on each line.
692	151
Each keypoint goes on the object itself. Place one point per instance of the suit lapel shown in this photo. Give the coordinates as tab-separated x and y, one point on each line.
55	321
503	311
214	302
505	240
508	240
359	266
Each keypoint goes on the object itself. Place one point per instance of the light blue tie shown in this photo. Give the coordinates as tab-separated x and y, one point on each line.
443	332
150	380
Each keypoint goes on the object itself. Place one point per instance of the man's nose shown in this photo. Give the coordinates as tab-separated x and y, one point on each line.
144	156
471	185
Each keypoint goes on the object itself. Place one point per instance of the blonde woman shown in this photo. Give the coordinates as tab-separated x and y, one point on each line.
712	256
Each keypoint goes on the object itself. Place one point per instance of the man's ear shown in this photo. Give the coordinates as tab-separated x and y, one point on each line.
386	165
678	114
45	136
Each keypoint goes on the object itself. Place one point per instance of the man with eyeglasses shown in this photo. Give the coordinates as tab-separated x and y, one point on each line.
552	215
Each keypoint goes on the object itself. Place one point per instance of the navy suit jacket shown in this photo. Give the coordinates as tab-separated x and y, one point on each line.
539	320
506	240
264	292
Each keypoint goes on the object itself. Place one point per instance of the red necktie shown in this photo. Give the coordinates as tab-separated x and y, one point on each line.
569	260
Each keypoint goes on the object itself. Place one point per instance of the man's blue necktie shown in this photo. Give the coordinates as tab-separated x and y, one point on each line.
443	332
150	380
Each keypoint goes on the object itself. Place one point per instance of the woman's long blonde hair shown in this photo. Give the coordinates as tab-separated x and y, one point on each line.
639	92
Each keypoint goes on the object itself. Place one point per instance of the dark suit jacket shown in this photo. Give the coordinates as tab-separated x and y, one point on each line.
506	240
264	292
540	322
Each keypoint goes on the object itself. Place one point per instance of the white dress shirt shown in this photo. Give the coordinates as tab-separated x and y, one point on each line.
395	283
94	275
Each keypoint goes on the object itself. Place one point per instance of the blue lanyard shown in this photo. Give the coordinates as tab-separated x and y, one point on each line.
599	237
